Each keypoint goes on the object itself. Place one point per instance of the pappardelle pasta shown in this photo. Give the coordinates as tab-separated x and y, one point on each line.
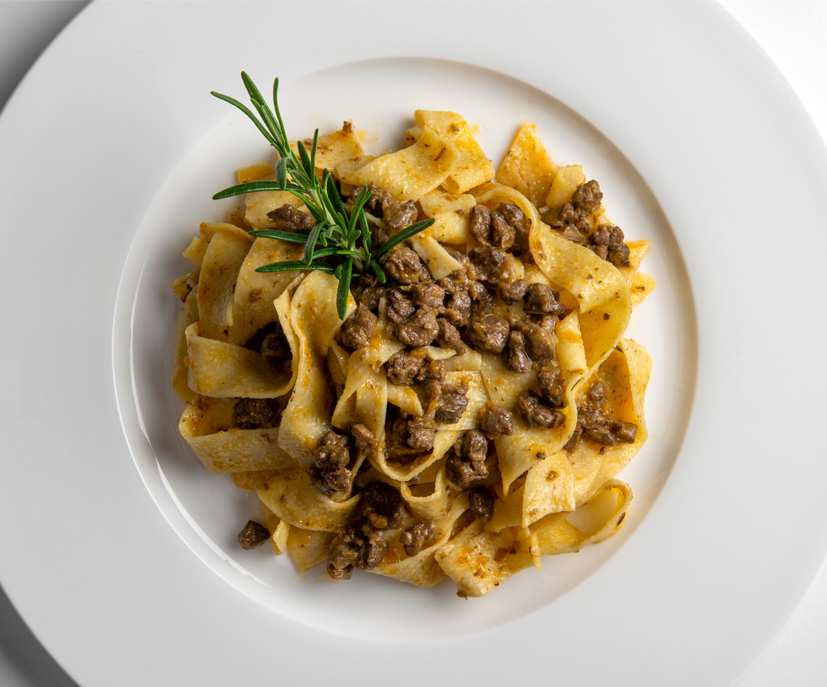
468	416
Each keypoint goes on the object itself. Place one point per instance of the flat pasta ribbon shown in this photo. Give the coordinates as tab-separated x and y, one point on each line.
625	372
228	246
290	494
602	294
221	369
315	322
494	492
206	424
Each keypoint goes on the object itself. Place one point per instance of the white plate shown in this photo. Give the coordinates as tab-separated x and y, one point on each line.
699	146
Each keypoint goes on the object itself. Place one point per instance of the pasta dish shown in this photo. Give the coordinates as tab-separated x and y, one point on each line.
467	416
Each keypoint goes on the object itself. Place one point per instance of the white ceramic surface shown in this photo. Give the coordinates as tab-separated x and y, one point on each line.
207	511
682	577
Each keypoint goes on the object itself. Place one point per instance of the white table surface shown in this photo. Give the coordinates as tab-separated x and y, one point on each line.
793	35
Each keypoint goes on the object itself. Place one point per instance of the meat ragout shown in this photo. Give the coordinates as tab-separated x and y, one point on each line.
480	306
417	361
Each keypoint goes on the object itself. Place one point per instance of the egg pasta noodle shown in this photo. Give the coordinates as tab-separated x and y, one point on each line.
465	418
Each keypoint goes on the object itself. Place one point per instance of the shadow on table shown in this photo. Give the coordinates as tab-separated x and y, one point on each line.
27	29
22	656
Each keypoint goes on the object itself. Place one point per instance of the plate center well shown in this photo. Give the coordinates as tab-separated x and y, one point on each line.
380	96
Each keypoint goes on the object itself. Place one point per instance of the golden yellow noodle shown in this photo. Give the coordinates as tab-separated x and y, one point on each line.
550	489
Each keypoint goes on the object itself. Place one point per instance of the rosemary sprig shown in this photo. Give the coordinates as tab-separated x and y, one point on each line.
345	240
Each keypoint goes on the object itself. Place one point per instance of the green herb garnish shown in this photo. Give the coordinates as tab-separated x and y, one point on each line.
340	242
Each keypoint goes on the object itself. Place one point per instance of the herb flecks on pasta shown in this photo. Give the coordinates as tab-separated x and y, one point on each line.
340	240
457	405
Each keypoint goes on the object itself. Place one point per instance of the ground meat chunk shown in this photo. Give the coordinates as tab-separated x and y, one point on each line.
433	396
400	307
618	254
275	349
480	227
573	234
403	264
596	396
463	473
587	197
332	481
419	437
487	262
517	359
585	200
571	219
382	204
552	387
383	506
482	302
549	322
412	366
565	215
419	330
542	300
513	215
474	446
458	307
624	432
396	435
607	241
363	439
428	295
461	272
481	501
415	539
373	550
602	236
253	413
449	336
466	465
288	218
378	235
368	291
404	368
271	342
574	440
374	201
536	414
356	547
499	228
408	438
502	233
595	422
357	328
452	404
513	292
489	332
331	457
345	550
253	535
399	215
433	370
540	343
496	421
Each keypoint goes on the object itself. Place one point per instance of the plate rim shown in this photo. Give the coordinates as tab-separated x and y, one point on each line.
84	19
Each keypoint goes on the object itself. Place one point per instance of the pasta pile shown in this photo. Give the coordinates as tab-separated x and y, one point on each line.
470	455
